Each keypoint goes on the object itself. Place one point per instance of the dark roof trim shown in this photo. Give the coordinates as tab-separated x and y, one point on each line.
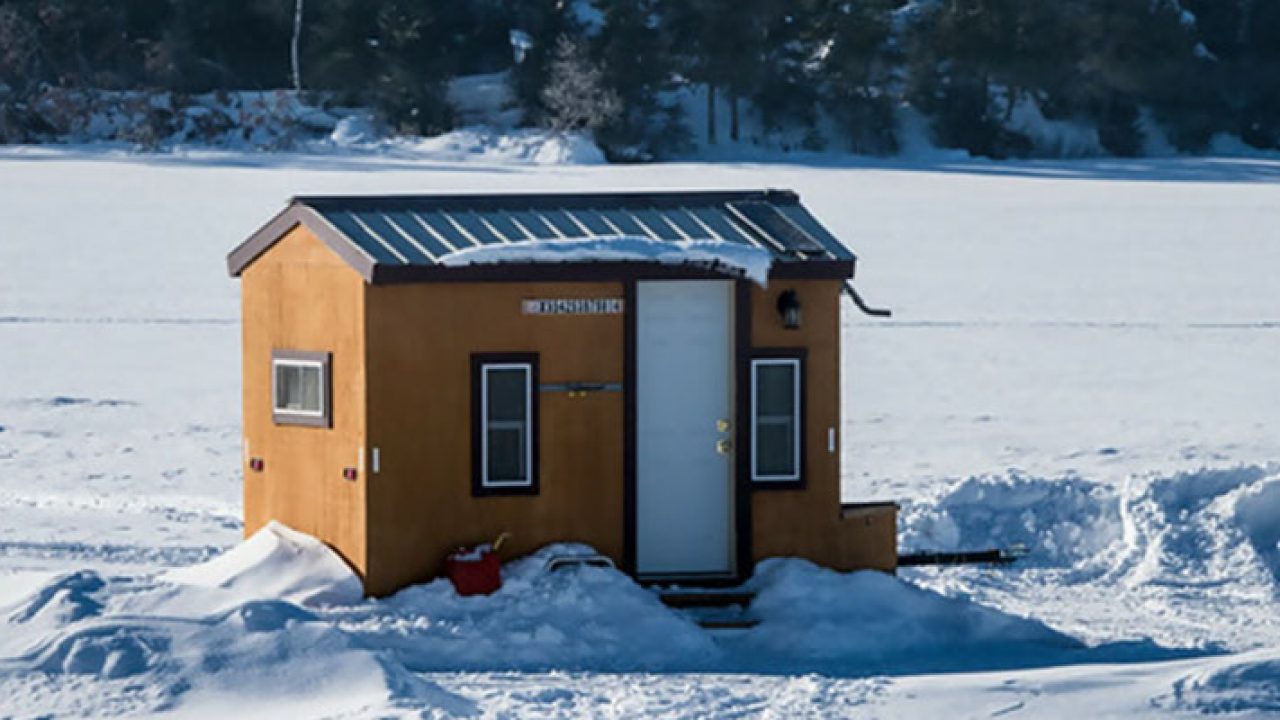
292	216
535	201
596	271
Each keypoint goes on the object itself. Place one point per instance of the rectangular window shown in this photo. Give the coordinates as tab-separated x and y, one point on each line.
505	406
300	388
776	433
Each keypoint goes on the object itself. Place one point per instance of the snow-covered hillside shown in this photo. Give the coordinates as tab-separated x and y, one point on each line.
1082	360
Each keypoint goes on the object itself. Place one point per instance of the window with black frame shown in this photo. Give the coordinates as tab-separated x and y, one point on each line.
505	446
776	427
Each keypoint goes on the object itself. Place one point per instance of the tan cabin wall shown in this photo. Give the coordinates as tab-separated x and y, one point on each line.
809	522
421	338
301	296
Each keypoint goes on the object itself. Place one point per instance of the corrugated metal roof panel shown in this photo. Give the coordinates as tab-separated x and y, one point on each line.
657	224
687	224
533	224
725	229
413	225
622	219
559	219
592	221
445	230
349	225
771	223
420	230
469	224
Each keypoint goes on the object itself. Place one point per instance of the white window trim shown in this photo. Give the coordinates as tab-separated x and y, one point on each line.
275	390
527	481
796	408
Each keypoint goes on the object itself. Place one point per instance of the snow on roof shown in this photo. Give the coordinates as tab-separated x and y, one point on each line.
416	233
749	262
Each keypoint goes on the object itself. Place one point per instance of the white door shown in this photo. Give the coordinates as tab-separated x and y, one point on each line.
684	410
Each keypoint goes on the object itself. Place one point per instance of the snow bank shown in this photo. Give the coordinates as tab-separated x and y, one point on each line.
85	645
484	100
277	562
744	260
570	619
1210	526
866	621
1252	686
1059	521
1207	525
529	146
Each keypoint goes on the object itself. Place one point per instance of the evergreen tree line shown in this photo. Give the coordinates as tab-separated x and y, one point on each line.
833	73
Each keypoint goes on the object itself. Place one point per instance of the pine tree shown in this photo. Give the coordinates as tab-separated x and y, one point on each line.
856	66
575	96
638	68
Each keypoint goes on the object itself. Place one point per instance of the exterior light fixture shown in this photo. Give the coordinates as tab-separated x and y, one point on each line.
789	309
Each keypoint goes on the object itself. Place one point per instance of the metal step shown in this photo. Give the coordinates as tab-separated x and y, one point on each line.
728	623
706	598
713	609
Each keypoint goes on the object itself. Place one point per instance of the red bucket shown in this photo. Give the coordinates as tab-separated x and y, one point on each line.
474	571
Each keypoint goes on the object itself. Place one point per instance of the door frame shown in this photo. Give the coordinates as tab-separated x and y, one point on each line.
741	472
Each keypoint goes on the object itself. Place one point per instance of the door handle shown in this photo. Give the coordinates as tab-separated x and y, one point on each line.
722	425
724	445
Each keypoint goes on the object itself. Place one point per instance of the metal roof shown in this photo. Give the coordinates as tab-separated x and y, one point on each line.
386	235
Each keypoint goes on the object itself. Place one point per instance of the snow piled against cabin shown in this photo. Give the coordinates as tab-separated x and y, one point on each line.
1081	362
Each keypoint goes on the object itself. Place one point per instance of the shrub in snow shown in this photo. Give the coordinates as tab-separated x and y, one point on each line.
575	96
357	129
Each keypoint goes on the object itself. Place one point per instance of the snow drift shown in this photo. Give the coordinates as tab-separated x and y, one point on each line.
867	622
1197	549
146	647
1060	521
1249	685
277	562
575	619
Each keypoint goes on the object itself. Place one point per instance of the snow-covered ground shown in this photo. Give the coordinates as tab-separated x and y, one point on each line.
1082	360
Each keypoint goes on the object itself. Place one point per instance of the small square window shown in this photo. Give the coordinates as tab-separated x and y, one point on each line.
300	388
777	442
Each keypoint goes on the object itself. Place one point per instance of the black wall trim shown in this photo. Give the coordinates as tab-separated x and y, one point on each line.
742	417
629	427
789	353
478	361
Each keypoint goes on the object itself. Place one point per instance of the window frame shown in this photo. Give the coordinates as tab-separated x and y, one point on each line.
303	358
796	358
481	364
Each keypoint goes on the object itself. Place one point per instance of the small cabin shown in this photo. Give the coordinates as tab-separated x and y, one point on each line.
654	374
